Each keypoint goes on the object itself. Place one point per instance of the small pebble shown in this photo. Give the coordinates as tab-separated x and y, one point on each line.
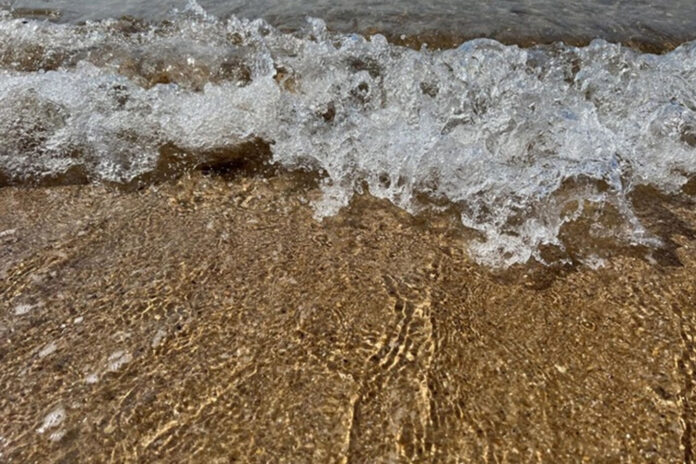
159	336
52	420
48	349
22	309
118	359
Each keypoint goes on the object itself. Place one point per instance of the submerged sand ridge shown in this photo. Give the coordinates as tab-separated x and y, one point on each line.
205	320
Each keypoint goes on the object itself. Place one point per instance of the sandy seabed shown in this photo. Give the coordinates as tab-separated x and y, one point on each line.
209	320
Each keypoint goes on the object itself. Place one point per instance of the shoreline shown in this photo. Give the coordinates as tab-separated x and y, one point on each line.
642	38
212	319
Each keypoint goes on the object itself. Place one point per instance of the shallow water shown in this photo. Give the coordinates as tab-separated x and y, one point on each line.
213	321
523	144
276	255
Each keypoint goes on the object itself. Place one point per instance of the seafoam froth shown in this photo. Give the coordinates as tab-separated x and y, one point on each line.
521	142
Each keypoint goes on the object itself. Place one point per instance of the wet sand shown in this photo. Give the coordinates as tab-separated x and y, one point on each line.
209	320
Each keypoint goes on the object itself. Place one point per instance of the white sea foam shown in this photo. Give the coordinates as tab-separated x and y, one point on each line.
521	141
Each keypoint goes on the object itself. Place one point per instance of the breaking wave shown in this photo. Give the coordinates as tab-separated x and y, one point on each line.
520	142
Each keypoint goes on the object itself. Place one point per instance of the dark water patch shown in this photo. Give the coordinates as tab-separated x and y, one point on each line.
648	25
437	40
36	13
689	187
251	158
657	211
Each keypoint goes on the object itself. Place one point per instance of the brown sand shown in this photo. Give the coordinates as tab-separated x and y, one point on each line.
214	321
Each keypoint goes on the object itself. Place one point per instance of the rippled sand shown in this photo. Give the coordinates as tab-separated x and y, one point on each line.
211	320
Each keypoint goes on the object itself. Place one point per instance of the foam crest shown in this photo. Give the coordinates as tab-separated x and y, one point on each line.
523	143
